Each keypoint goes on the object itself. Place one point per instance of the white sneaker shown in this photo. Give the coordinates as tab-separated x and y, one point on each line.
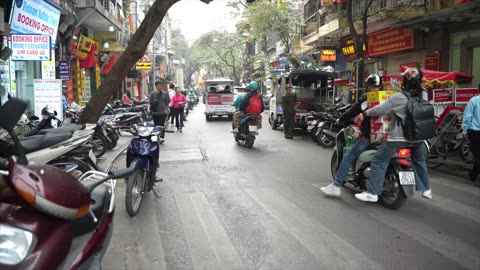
331	190
366	197
235	130
427	194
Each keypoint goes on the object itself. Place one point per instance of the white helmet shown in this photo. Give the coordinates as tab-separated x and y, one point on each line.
23	120
374	80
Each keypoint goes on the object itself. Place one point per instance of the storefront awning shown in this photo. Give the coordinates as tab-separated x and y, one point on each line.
465	13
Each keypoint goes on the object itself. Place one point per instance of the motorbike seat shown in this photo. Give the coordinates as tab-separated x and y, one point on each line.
62	130
37	142
99	203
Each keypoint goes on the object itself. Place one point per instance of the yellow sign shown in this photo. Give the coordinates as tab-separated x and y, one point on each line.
379	96
84	47
143	66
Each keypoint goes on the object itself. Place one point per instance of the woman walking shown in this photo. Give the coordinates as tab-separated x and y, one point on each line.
178	103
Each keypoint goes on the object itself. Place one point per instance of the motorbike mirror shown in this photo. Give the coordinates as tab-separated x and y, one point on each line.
34	118
11	112
55	113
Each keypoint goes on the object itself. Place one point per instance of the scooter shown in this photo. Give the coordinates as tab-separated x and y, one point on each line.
247	130
142	156
41	225
399	178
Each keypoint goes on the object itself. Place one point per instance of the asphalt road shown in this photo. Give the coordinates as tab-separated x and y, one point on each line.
227	207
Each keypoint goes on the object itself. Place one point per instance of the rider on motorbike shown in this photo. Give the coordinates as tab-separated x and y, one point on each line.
246	105
373	82
396	106
238	113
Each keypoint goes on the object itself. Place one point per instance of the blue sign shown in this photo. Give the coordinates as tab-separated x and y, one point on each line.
64	70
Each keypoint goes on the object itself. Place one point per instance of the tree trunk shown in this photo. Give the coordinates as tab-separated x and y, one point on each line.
134	51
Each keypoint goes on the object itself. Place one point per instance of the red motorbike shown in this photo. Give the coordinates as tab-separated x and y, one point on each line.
48	218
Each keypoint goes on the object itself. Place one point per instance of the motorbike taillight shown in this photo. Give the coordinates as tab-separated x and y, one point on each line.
404	152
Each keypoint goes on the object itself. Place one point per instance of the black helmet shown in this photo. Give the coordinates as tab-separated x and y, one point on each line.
374	80
412	78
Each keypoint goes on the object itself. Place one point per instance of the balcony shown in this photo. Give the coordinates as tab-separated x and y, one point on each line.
99	15
322	26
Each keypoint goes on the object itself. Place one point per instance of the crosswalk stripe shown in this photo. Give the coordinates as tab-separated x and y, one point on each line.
199	246
332	251
449	246
223	247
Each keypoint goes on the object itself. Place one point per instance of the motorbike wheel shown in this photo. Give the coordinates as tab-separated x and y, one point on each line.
100	145
207	117
313	134
134	192
432	156
464	151
325	140
274	123
113	138
393	196
249	141
334	164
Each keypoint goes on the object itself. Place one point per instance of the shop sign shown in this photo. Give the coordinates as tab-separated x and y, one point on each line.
87	90
179	78
48	67
48	93
144	66
348	48
64	70
389	40
463	95
84	47
35	17
30	47
328	55
432	61
442	96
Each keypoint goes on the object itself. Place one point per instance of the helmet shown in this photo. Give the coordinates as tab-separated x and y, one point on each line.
253	85
47	112
374	80
248	87
23	120
412	78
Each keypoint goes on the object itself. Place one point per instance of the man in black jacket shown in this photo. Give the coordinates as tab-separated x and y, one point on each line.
373	83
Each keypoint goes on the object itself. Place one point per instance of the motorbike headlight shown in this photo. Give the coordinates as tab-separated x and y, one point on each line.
15	244
144	131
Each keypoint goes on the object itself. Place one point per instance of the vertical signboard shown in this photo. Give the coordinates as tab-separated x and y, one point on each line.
48	93
87	91
64	70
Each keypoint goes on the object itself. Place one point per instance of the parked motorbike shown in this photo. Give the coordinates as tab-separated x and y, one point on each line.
247	130
49	120
44	227
142	156
125	119
399	178
327	128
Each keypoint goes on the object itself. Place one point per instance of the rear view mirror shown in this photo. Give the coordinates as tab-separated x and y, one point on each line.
55	113
34	118
10	112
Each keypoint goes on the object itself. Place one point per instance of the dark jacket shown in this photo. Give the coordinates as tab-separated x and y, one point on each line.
355	110
289	101
162	102
246	100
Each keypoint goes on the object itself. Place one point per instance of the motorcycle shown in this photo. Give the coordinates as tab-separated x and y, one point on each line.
399	178
41	225
327	128
126	119
247	129
49	120
142	156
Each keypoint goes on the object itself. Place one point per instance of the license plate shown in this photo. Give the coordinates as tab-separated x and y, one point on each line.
252	128
407	178
92	156
154	138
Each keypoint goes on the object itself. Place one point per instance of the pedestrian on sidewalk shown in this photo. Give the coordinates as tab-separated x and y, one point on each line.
178	103
171	93
158	101
289	101
471	129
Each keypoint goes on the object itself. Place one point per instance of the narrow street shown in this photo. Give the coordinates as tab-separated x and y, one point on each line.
224	206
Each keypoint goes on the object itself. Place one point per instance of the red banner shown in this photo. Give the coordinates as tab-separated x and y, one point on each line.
389	40
219	99
463	95
432	61
442	96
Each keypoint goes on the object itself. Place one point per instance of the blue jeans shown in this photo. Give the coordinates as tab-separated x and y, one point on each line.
347	160
380	161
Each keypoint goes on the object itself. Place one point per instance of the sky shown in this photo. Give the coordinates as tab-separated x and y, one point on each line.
196	18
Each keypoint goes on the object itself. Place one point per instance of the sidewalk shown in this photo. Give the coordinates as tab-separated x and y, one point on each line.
106	161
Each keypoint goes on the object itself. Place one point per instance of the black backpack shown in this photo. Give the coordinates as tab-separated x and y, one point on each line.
419	123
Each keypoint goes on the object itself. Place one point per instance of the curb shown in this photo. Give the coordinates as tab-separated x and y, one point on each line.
114	157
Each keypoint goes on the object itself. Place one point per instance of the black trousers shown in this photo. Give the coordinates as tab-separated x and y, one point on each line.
475	149
159	120
171	116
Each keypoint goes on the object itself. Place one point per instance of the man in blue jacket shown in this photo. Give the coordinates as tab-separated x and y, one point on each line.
471	128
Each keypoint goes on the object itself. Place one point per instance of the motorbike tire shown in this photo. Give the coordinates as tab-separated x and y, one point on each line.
395	197
313	132
432	156
100	144
113	138
464	151
325	140
274	124
134	192
334	164
207	117
249	141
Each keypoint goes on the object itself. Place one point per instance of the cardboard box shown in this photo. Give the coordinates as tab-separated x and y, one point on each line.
379	125
379	96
